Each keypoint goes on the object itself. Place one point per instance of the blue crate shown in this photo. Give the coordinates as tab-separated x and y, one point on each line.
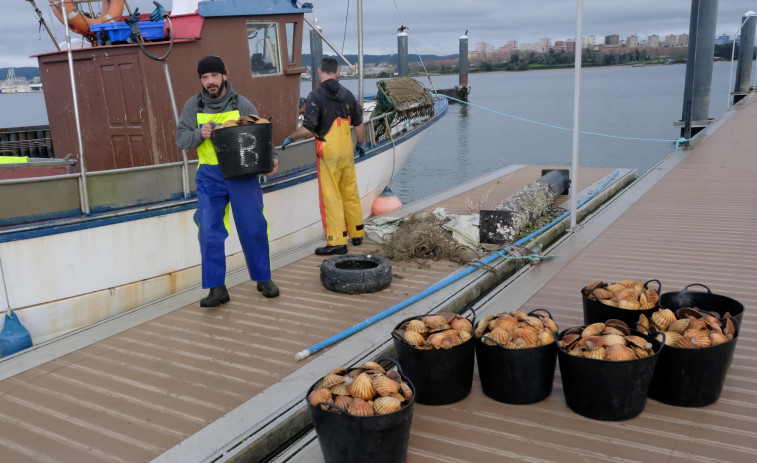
119	32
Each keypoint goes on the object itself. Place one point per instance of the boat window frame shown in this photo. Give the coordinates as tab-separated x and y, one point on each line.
289	30
274	52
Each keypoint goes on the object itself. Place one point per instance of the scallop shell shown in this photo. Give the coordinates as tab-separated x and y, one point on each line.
465	335
528	337
520	316
360	407
549	324
641	353
407	391
712	323
592	330
535	322
629	304
609	302
444	339
385	386
505	322
730	329
594	285
339	389
568	339
362	387
434	321
615	287
331	380
341	371
414	338
462	325
394	374
717	338
619	325
663	318
373	366
343	401
685	342
614	339
698	337
652	296
317	396
502	336
597	354
591	342
483	325
417	326
625	294
601	293
385	405
644	321
680	325
546	337
639	342
619	352
612	330
672	338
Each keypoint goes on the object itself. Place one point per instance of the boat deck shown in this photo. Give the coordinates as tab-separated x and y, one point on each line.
176	382
689	220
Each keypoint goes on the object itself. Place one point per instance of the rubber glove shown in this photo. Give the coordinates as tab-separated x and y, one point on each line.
287	141
159	12
360	150
133	19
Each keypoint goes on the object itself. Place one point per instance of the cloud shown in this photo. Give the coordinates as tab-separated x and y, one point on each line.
435	25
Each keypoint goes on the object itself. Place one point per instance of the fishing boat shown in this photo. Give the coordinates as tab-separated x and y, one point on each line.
117	232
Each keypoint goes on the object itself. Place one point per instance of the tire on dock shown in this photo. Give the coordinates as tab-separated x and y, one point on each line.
356	273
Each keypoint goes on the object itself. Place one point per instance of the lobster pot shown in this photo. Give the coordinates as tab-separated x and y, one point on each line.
440	376
691	377
707	301
608	390
516	376
244	150
346	438
597	312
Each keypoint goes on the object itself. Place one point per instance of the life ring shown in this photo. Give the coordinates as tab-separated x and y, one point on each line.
356	273
79	23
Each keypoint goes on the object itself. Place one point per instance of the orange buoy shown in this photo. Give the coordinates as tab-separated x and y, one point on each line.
79	23
385	202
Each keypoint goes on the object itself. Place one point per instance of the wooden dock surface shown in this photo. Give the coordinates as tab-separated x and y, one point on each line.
689	220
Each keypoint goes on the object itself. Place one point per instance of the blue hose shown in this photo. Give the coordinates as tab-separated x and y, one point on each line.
432	289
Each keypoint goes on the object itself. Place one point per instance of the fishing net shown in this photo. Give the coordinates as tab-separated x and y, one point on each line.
405	98
421	236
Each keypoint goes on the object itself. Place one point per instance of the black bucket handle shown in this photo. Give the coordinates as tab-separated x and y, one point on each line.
649	333
659	285
494	341
697	284
330	405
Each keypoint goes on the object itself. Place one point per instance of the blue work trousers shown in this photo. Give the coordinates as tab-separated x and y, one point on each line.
214	195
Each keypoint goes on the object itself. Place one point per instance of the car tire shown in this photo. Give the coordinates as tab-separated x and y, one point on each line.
356	273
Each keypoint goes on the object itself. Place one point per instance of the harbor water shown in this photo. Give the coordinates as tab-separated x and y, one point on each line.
623	104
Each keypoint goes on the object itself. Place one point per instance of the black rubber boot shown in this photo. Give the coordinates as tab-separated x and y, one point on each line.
331	250
268	288
357	241
217	296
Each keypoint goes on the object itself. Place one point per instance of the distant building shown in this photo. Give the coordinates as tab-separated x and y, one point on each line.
671	40
485	48
590	41
723	40
653	41
632	41
544	44
683	40
612	40
512	43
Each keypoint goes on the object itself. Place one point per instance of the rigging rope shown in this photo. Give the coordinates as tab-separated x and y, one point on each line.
678	141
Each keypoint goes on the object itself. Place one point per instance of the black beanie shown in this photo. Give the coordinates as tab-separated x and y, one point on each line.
211	64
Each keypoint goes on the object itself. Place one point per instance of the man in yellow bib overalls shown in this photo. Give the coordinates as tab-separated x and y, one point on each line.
330	111
219	103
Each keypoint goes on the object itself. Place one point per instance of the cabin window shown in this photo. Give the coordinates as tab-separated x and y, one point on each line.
263	40
290	42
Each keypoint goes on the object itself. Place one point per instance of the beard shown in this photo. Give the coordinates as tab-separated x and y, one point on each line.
215	91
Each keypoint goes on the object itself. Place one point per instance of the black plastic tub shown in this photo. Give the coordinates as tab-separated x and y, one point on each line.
692	377
516	376
346	438
597	312
608	390
707	301
440	376
244	150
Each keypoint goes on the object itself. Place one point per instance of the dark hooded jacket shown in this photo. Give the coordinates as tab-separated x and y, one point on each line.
327	103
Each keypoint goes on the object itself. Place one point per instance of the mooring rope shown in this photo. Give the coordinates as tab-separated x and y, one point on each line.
678	142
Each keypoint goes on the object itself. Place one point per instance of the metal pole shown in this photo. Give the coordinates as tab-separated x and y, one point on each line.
185	165
361	91
576	115
401	52
704	15
462	80
746	50
316	55
83	193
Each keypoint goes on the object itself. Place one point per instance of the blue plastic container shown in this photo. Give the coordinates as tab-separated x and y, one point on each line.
120	31
14	336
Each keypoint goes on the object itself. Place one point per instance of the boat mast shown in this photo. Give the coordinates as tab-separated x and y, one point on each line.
360	51
576	115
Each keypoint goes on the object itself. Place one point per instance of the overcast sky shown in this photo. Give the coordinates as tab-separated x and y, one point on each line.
435	26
